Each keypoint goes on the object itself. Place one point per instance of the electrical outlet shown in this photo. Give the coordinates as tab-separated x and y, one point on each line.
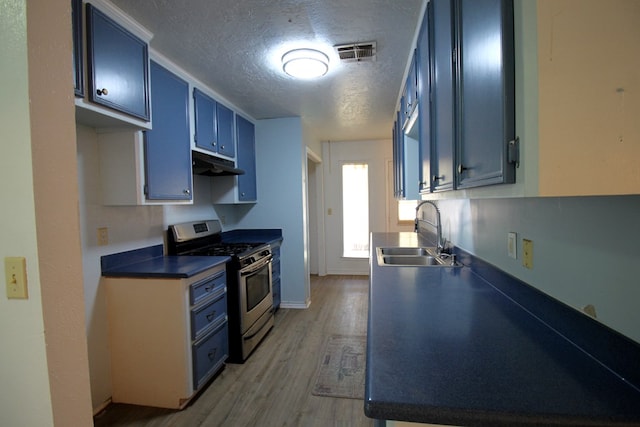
527	253
512	244
103	236
15	270
590	310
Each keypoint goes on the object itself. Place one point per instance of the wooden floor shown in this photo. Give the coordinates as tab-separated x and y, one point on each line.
273	387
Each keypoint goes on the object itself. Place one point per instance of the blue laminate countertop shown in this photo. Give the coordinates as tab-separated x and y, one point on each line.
445	346
273	236
149	262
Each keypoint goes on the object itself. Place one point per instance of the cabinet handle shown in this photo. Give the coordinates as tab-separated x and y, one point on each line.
186	191
437	178
212	354
242	194
222	147
462	168
103	91
211	316
213	144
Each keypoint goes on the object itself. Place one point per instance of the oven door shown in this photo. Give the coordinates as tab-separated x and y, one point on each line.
256	296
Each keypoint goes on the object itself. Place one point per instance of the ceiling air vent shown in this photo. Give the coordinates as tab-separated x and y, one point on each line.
356	52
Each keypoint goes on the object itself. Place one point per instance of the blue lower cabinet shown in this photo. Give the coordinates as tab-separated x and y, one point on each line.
275	276
209	353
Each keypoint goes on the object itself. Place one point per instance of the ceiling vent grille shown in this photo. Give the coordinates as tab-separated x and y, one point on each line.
356	52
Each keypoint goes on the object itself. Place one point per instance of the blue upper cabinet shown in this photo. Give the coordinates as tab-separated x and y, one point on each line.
205	121
443	95
225	131
118	65
423	80
247	189
78	69
167	147
410	96
486	106
214	125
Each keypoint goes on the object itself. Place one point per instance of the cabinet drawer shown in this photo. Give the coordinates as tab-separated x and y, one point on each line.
207	287
209	354
208	314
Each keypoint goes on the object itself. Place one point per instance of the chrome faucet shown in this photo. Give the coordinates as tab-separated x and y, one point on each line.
437	225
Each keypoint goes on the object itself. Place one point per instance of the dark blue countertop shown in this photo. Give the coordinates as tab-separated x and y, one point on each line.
273	236
446	346
150	262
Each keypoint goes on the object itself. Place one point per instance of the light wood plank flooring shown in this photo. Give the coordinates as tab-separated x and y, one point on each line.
273	387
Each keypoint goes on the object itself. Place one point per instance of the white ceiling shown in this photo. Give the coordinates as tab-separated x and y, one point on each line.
234	46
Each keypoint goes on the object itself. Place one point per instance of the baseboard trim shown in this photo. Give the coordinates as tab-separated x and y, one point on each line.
296	305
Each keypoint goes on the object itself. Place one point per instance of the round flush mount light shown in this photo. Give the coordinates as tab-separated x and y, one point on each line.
305	63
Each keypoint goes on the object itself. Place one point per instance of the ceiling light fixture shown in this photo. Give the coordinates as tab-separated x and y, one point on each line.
305	63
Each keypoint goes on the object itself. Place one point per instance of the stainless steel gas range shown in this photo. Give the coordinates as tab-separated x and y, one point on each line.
250	294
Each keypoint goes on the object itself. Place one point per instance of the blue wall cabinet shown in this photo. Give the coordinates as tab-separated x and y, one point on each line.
485	93
167	145
247	188
239	189
410	96
118	66
214	125
225	131
398	158
205	121
423	79
78	66
443	95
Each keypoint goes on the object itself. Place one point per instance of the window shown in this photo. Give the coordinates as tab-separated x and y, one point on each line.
407	210
355	210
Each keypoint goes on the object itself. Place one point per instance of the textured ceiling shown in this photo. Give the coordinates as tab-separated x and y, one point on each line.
234	46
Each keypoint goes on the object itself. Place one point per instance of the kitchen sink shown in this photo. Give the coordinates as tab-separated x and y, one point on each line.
413	256
404	251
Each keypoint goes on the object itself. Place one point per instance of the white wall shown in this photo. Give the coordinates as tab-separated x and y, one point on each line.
585	248
23	371
376	154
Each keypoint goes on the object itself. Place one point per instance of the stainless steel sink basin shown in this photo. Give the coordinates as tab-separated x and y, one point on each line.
404	251
420	260
412	256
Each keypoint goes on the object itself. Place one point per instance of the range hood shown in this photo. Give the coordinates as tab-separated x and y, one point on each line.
208	165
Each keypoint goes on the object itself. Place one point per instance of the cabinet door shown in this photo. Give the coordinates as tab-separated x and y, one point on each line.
423	70
225	133
78	69
486	108
410	96
118	65
443	95
167	146
247	190
205	121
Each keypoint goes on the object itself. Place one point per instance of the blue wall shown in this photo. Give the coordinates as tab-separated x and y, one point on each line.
280	152
585	248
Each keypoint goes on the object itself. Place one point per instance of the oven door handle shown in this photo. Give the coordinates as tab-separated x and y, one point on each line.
255	267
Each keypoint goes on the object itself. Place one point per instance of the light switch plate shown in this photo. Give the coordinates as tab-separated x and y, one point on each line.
527	253
15	270
512	244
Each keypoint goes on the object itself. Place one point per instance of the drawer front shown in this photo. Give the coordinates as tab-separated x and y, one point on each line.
207	287
209	354
206	315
